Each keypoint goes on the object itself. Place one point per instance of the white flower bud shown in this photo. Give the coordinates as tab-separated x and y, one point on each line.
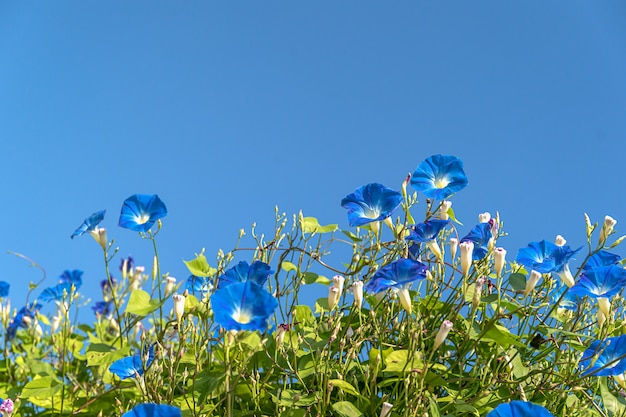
607	228
357	290
484	217
560	240
386	410
333	297
467	249
54	326
604	307
170	282
499	256
454	244
338	281
179	305
445	328
478	290
443	209
531	282
405	299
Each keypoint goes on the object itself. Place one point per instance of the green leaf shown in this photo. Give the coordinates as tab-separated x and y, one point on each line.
288	266
401	361
352	236
346	409
303	315
450	213
200	267
615	406
344	386
103	354
44	387
311	225
311	277
496	333
517	281
140	303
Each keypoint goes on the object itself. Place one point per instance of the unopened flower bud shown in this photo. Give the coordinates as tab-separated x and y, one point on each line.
179	306
478	290
560	240
357	290
155	265
54	325
499	256
405	183
531	282
6	408
338	281
333	297
443	209
386	410
280	336
454	244
445	328
484	217
170	282
467	249
604	307
607	228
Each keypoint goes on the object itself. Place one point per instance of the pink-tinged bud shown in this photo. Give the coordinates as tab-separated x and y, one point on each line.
434	248
531	282
607	228
280	336
454	244
405	183
386	410
478	291
179	306
499	256
7	406
405	299
170	282
566	276
357	290
443	210
445	328
333	297
484	217
560	240
338	281
467	249
100	236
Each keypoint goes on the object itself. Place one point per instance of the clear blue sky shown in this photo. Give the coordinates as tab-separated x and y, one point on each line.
228	109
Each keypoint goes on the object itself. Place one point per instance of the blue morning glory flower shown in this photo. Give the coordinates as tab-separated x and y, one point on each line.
370	203
439	176
4	289
603	281
73	277
545	257
57	292
23	317
611	357
427	231
140	211
519	409
102	308
243	306
257	272
153	410
133	366
396	275
89	224
569	300
601	258
199	285
479	236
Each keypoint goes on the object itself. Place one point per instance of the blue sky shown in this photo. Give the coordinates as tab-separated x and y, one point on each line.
226	110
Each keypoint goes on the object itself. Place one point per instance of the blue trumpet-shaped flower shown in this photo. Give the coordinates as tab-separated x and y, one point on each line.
370	203
198	286
519	409
153	410
569	301
133	366
58	292
606	357
545	257
73	277
24	316
479	236
257	272
427	231
396	275
601	258
603	281
90	223
4	289
140	211
243	306
439	176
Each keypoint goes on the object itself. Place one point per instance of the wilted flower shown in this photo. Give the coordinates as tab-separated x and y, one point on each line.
427	233
445	328
519	409
140	211
480	236
605	358
179	306
90	224
133	366
243	306
153	410
258	272
370	203
439	176
499	260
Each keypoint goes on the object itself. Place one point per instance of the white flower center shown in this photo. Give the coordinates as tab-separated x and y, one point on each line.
143	219
441	182
241	317
372	213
